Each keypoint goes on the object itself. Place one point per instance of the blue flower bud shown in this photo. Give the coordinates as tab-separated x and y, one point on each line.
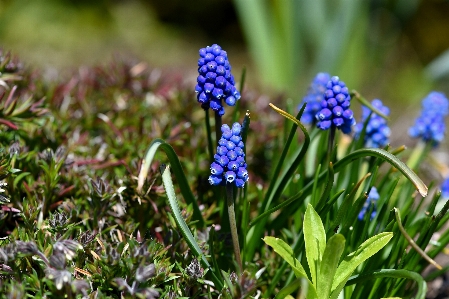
217	93
239	183
227	134
215	180
242	173
230	145
223	160
230	101
235	138
230	176
216	169
215	78
324	114
232	155
222	150
233	165
229	162
324	125
337	101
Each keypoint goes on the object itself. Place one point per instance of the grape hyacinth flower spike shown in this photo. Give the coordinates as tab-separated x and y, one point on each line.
314	97
377	131
335	110
429	126
229	166
373	196
215	81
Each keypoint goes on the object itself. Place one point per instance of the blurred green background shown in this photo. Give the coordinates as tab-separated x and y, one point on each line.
393	50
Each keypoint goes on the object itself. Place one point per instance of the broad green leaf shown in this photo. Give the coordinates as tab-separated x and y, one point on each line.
354	259
315	240
329	264
286	252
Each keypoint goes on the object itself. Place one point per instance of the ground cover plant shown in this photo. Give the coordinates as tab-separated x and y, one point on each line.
123	181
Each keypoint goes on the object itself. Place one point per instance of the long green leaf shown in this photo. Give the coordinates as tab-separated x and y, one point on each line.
354	259
329	264
179	174
388	157
393	273
182	225
286	252
315	240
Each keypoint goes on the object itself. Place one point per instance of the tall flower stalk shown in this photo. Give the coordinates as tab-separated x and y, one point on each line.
229	169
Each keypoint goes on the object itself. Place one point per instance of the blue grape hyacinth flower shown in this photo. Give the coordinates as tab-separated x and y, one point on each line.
445	189
335	110
377	131
314	97
373	196
430	124
229	166
215	81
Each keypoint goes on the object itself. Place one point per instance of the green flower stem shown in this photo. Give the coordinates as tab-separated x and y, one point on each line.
217	127
330	145
209	137
233	225
364	102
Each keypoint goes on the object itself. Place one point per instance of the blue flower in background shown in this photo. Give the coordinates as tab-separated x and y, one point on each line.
314	97
445	189
430	124
377	131
215	81
229	166
335	107
373	196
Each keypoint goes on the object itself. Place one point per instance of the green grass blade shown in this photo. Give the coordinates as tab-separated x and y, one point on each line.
179	174
392	273
388	157
182	225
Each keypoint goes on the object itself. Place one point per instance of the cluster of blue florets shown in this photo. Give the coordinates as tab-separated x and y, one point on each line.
215	81
229	165
373	196
314	97
445	189
430	124
335	107
377	131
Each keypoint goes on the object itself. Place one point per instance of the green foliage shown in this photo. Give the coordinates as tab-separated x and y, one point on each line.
328	275
84	210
